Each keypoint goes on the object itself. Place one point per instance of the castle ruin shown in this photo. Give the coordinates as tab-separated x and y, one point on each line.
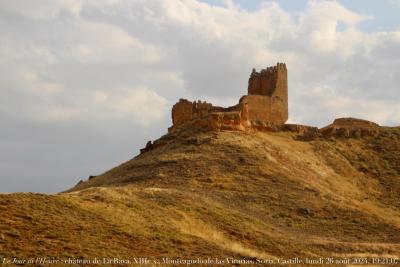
265	105
264	108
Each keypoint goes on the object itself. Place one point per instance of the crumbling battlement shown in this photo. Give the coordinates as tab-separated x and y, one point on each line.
264	108
185	111
269	81
265	105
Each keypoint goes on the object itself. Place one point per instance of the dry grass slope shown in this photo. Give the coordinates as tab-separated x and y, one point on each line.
261	195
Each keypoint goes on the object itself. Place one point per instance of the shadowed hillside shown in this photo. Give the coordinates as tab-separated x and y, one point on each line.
222	194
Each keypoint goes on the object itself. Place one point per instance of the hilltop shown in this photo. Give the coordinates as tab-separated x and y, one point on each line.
232	183
222	194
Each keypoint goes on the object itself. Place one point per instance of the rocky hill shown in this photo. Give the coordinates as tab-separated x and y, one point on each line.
226	194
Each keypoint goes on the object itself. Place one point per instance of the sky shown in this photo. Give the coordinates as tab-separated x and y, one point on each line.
86	83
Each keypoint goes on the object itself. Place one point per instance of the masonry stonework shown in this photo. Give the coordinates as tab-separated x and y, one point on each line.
265	105
264	108
272	84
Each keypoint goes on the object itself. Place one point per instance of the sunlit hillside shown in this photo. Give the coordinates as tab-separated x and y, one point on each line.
226	194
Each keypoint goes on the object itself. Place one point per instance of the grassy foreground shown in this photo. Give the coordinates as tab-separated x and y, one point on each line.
222	195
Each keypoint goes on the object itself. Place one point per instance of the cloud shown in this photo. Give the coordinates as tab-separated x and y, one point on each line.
112	69
333	104
319	25
42	9
104	43
141	105
395	2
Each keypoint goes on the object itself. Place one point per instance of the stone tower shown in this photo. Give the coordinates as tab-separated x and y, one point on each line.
268	94
270	81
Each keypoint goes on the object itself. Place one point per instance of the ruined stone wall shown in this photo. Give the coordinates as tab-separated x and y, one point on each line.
266	102
268	80
234	118
268	94
264	108
201	109
279	103
185	111
182	112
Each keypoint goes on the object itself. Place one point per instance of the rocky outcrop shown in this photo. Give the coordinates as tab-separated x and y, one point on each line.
148	147
350	127
305	132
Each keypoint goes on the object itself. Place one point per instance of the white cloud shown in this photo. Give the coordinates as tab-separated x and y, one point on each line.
395	2
42	9
33	83
141	105
333	104
104	43
191	48
102	62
